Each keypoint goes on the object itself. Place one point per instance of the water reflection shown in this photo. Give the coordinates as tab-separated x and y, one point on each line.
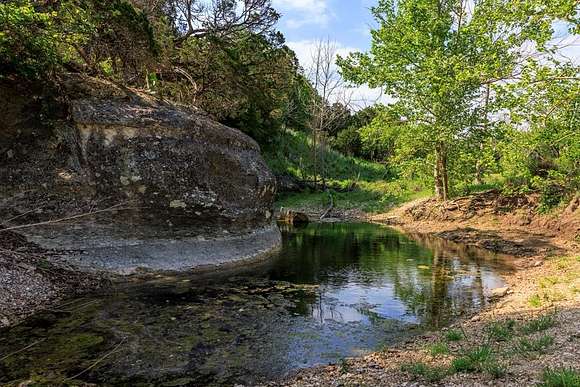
335	290
367	272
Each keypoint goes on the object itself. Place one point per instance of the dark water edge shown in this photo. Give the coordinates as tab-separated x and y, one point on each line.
334	290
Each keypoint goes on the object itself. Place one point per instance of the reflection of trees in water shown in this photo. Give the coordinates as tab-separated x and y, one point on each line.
370	255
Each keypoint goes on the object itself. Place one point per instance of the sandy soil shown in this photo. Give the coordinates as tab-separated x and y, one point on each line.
546	287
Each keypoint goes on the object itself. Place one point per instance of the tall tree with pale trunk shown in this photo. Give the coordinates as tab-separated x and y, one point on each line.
440	58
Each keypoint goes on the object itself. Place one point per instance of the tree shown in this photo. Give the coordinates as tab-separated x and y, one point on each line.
331	103
223	18
440	57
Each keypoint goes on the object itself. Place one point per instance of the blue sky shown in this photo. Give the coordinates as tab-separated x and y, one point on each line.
346	21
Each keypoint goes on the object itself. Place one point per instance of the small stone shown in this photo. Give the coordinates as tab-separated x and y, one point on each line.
499	292
538	263
177	204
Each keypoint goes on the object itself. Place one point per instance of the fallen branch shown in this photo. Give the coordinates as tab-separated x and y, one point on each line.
21	350
330	206
116	207
98	361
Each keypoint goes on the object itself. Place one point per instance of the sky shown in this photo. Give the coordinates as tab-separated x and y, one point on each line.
348	23
345	22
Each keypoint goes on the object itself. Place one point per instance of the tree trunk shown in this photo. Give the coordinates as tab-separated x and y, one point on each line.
479	167
441	177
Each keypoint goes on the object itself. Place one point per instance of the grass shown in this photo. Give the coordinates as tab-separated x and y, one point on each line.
473	360
528	347
495	369
501	331
453	335
535	301
437	349
539	324
375	190
561	377
343	366
424	371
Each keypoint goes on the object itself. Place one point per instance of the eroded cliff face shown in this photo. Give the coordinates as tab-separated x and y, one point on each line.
165	163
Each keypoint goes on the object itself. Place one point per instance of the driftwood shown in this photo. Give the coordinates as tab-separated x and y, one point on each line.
117	207
330	205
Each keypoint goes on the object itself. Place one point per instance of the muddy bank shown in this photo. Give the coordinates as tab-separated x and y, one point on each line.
491	220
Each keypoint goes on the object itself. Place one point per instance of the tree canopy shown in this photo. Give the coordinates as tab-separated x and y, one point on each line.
441	59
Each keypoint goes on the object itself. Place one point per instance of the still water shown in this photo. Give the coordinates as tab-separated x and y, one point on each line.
334	290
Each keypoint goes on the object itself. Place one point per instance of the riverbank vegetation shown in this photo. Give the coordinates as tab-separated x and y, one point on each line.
482	98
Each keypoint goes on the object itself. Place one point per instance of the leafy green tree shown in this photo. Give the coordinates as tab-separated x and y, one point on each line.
249	82
379	138
543	151
27	39
101	38
440	57
348	141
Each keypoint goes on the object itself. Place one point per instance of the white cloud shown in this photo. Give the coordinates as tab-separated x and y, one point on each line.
361	96
298	13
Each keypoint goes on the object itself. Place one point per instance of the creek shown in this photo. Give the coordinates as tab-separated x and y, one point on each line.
333	291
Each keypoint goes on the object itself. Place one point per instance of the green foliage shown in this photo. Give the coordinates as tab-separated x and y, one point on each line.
441	62
473	360
535	301
380	136
421	370
348	141
561	377
27	44
112	37
541	151
453	335
364	185
495	369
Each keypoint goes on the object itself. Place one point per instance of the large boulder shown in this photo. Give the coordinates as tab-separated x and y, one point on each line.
172	162
166	163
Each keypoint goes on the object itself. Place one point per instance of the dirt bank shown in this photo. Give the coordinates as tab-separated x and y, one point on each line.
532	327
29	281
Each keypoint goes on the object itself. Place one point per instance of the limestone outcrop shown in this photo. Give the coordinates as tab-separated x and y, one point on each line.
167	163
